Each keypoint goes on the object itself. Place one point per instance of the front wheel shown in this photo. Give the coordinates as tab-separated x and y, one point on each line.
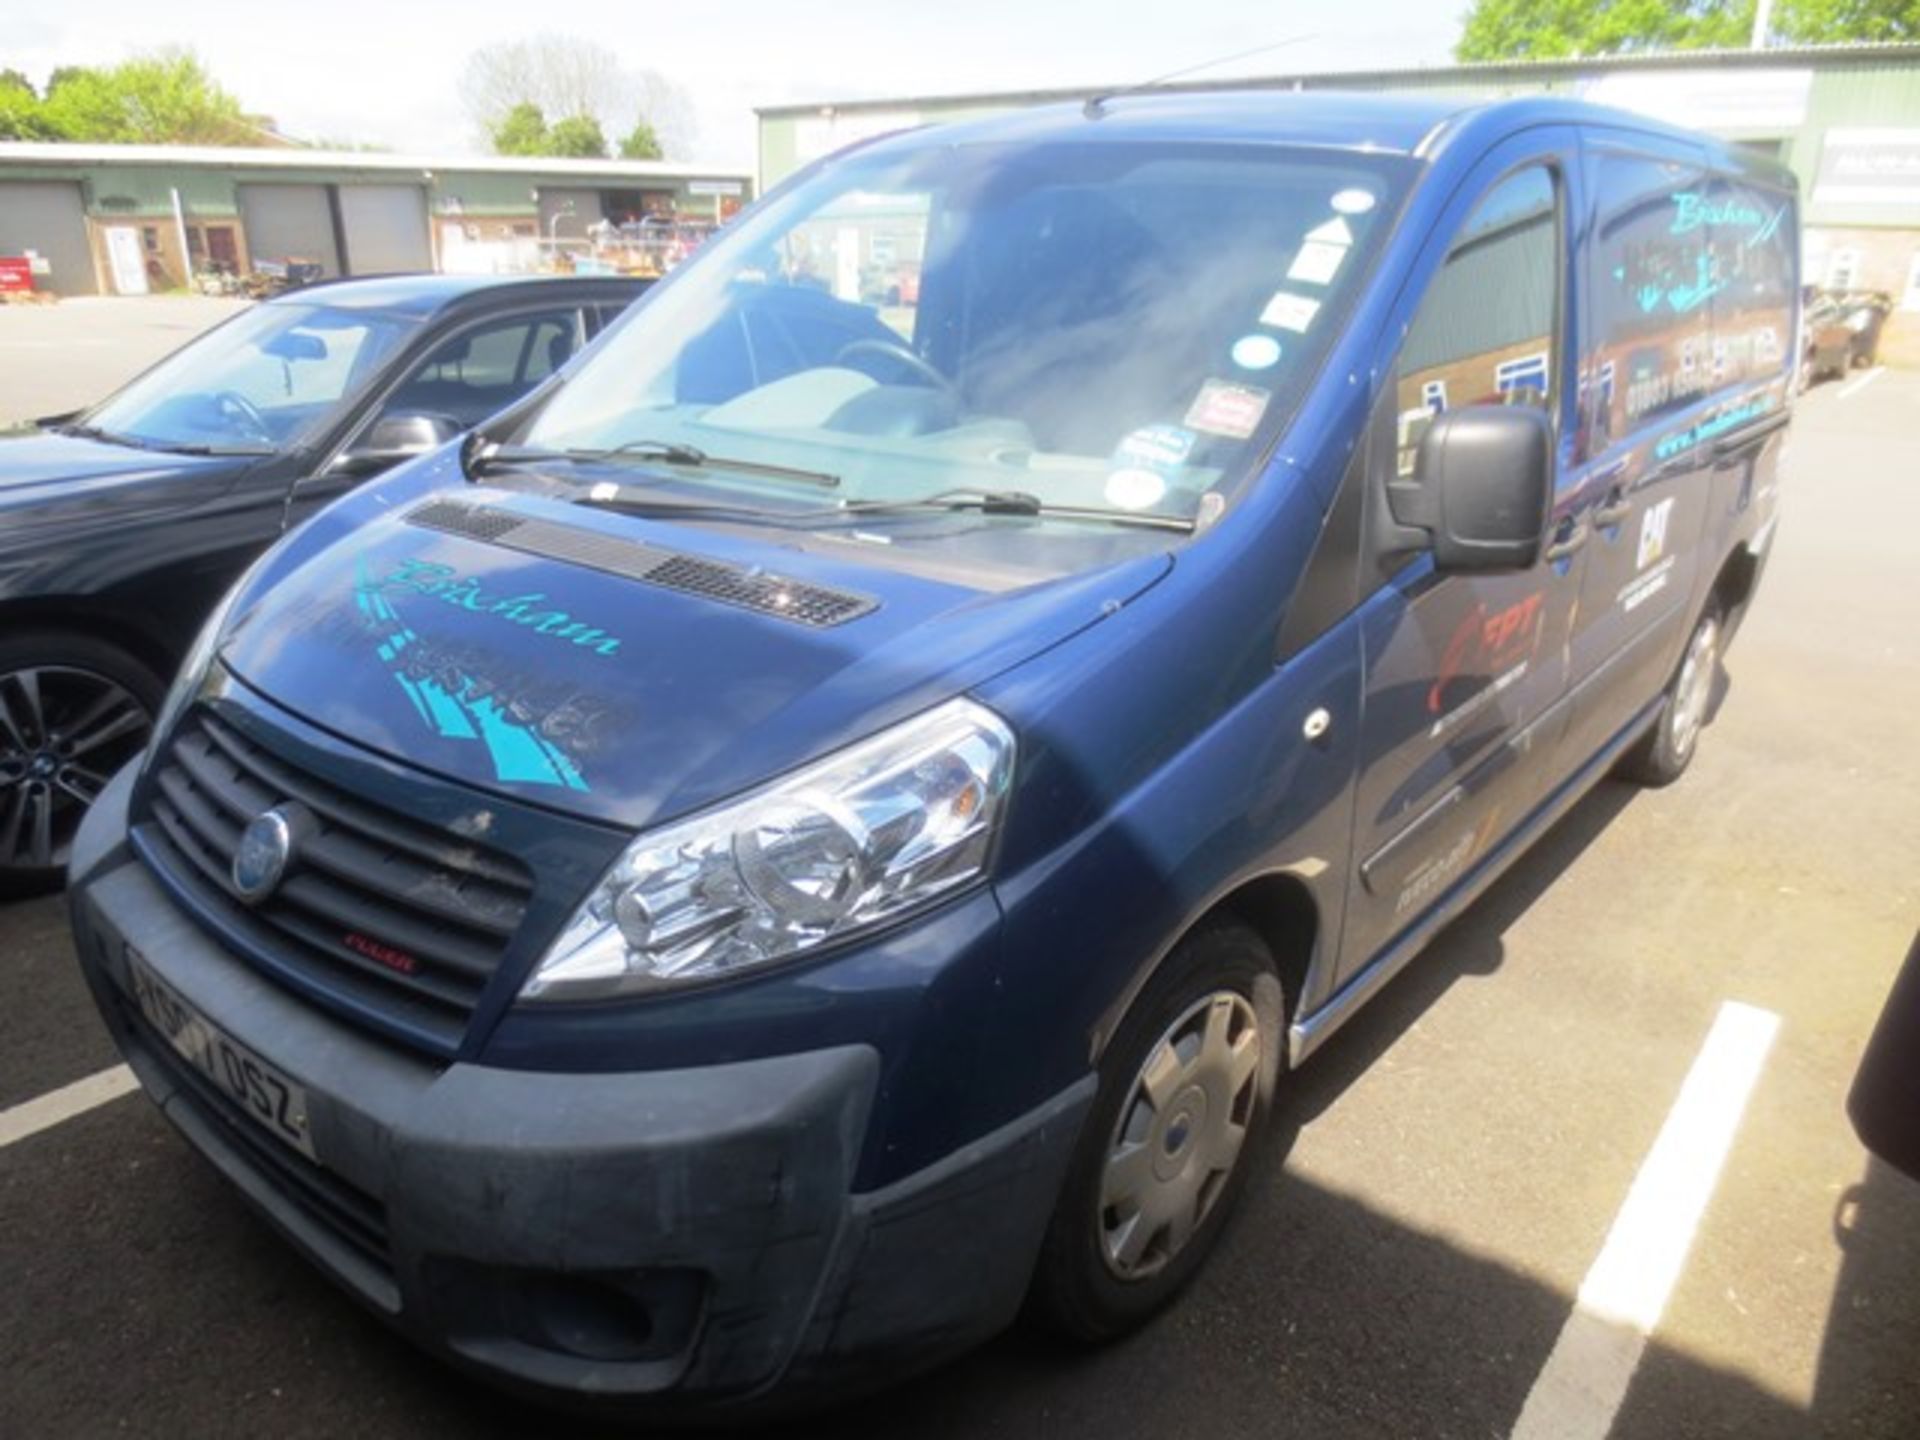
1663	754
72	711
1185	1089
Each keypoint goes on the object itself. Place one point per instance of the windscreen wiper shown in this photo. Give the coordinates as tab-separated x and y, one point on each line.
1015	502
654	452
166	447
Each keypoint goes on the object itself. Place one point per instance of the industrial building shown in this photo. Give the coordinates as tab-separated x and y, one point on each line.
131	219
1846	118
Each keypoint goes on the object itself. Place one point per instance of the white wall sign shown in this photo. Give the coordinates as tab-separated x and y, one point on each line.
1869	167
1730	101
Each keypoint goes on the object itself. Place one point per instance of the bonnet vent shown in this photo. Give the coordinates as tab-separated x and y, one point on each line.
749	589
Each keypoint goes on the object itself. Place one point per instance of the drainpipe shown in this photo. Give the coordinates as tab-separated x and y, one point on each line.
186	250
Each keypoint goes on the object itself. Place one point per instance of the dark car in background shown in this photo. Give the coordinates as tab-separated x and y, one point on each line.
121	525
1841	331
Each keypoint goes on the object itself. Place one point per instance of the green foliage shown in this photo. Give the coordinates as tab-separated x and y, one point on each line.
578	137
1820	22
1555	29
642	144
163	98
521	131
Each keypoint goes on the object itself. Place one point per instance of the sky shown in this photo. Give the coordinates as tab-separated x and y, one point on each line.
387	71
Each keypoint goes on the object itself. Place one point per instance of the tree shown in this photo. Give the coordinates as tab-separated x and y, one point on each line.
577	137
521	131
1815	22
567	76
641	144
1554	29
167	97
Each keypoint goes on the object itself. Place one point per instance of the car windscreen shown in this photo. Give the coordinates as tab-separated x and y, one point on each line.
262	380
1103	323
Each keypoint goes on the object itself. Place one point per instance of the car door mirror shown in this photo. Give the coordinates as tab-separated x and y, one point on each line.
1481	487
392	439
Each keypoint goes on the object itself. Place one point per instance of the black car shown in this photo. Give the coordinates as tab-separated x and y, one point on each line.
121	525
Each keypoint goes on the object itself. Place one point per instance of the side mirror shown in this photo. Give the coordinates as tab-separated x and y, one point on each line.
392	439
1481	487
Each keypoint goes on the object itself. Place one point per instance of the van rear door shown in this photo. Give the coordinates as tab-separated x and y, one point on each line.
1652	370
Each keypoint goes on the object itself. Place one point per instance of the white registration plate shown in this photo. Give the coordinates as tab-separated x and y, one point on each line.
266	1095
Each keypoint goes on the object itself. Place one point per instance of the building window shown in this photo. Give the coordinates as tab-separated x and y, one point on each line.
1843	270
1433	395
1529	372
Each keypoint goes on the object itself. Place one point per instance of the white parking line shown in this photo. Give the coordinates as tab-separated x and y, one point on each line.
1854	387
68	1101
1579	1390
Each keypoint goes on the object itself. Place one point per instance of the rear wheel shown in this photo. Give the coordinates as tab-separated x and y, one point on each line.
1185	1089
1663	754
73	710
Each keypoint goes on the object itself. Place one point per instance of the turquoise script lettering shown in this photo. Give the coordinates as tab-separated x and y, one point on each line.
444	584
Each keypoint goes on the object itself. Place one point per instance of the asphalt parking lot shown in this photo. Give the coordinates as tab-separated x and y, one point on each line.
1461	1153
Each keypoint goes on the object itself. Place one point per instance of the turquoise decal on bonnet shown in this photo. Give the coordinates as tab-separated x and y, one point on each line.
518	753
445	584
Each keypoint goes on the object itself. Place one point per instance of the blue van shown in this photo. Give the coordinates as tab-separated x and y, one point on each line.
832	820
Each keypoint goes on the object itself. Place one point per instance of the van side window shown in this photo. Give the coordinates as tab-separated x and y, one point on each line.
1484	334
1652	288
1753	266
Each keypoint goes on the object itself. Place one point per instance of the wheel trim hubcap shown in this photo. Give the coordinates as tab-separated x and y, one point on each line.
63	732
1694	692
1179	1134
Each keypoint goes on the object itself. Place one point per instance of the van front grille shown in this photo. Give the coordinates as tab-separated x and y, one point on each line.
402	919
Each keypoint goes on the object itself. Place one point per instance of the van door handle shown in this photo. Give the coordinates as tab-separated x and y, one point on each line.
1615	511
1569	537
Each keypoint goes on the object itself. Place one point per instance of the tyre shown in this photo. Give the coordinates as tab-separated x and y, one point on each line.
73	710
1662	755
1175	1129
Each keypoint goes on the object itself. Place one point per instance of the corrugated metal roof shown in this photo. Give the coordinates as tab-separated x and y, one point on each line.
56	154
1855	53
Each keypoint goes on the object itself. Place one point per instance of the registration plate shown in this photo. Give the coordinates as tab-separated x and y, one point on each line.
266	1095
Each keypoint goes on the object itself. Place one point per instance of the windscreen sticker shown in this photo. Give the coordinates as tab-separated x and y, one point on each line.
1224	408
1256	352
1287	311
1317	263
1334	232
1162	447
1353	202
1135	489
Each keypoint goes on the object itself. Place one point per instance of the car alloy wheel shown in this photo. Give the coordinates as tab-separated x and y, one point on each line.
64	731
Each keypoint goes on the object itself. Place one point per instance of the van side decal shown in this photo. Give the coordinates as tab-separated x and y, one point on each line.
518	753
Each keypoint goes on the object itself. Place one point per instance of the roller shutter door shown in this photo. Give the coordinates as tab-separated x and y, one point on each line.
386	227
47	216
289	222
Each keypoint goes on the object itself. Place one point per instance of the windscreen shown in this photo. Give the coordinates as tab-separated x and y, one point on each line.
1103	323
259	381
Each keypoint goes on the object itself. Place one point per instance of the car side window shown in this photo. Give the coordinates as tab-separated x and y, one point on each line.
479	371
1484	333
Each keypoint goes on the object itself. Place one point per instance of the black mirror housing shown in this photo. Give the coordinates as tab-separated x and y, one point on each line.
1481	487
394	438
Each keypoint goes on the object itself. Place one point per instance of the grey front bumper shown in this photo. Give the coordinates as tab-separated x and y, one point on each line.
679	1235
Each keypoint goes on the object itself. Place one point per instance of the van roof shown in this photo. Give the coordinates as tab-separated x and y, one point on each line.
1409	124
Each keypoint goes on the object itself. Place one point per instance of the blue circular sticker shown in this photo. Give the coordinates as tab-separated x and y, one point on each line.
1256	352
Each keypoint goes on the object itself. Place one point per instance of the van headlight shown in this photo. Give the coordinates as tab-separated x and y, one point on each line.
863	837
